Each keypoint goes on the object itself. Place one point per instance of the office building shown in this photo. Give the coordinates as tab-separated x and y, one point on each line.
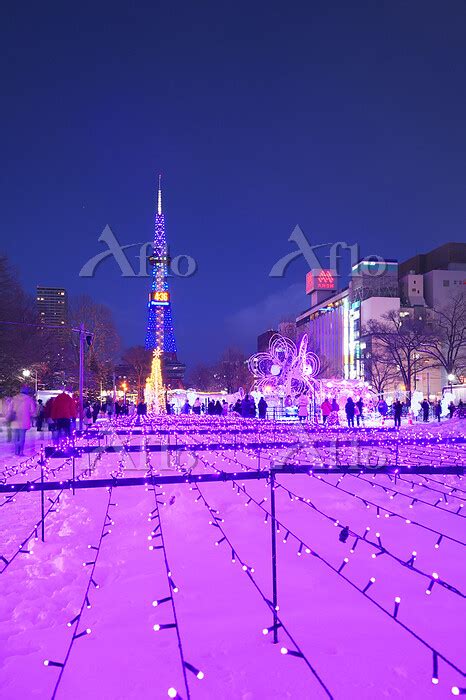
336	320
52	306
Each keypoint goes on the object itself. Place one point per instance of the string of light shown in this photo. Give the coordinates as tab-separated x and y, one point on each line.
216	521
414	500
368	503
436	655
409	563
158	543
108	522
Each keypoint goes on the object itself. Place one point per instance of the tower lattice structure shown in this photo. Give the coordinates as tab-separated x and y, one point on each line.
160	334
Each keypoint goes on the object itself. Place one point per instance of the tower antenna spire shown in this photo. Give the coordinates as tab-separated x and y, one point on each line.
159	196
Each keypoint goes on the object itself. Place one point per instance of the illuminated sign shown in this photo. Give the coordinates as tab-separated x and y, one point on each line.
320	279
159	298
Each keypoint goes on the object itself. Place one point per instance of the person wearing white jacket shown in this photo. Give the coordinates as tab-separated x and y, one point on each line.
23	409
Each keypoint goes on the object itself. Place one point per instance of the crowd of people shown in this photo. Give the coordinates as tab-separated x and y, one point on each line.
20	412
245	407
58	415
354	411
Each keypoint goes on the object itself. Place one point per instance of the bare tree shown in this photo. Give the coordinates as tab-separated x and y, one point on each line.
446	344
103	351
401	340
230	373
139	359
204	378
380	370
233	370
24	344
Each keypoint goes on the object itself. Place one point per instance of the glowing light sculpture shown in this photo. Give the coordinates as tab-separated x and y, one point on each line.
154	393
285	369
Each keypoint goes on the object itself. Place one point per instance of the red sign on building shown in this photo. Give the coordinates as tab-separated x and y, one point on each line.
320	279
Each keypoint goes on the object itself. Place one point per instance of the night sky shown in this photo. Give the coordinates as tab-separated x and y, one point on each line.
350	121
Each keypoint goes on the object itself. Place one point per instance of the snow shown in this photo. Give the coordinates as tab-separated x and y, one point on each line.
357	649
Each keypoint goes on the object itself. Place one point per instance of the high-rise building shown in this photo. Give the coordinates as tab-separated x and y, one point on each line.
264	339
160	334
52	311
336	320
52	306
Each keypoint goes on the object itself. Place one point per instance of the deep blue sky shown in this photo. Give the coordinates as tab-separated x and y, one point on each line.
347	120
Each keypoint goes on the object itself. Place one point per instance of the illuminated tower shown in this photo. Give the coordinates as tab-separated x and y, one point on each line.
160	334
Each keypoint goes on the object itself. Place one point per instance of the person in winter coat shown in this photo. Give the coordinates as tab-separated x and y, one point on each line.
224	408
326	409
40	415
62	413
360	406
262	406
303	407
186	408
349	410
335	406
245	406
425	405
22	411
252	407
382	408
451	409
237	407
197	407
5	413
95	411
438	410
87	416
397	411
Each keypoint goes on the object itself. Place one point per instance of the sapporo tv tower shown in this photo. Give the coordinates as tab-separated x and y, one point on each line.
160	336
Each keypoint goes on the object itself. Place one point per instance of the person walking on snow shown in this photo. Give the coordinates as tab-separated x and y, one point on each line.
5	413
360	406
326	409
40	416
62	413
303	407
349	410
262	406
397	411
22	410
425	410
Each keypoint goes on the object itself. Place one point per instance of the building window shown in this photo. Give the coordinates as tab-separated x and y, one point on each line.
446	283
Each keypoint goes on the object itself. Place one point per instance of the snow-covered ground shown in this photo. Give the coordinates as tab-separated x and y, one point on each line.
353	646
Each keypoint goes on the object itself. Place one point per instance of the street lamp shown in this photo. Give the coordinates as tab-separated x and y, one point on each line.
451	378
27	373
124	386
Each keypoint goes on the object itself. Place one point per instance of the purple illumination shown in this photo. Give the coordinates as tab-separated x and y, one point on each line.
218	620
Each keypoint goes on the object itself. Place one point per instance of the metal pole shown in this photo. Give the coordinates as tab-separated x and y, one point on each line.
274	557
81	375
42	499
74	473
